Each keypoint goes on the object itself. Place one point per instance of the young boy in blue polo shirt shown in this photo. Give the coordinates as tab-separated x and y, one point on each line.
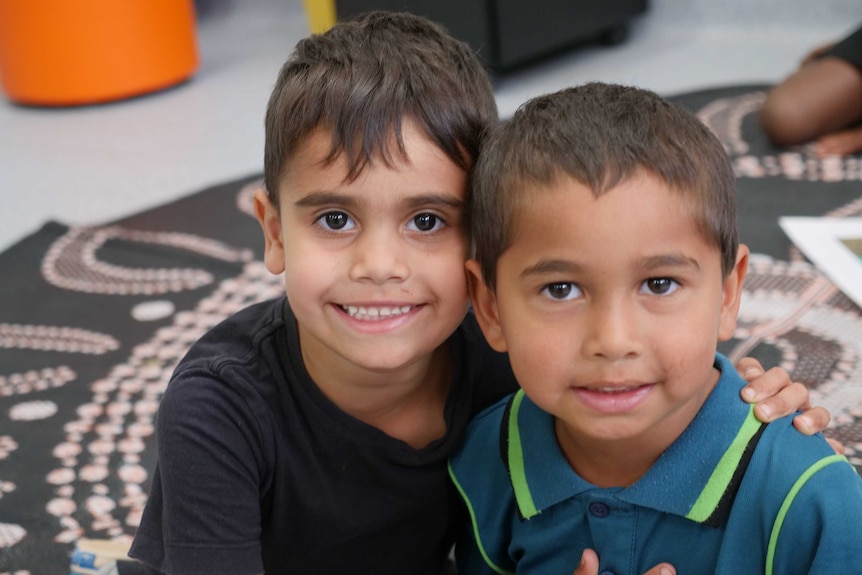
310	434
608	267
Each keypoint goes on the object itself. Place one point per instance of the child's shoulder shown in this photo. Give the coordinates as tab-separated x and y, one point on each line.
236	334
239	352
785	452
808	498
249	320
791	471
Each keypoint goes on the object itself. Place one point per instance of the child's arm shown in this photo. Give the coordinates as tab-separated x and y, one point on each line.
208	483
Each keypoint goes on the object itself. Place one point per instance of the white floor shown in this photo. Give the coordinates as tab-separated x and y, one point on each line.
89	165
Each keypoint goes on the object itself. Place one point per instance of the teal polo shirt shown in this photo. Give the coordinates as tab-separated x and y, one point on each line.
729	496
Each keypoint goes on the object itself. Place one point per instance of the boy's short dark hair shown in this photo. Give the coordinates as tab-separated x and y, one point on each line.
600	135
363	77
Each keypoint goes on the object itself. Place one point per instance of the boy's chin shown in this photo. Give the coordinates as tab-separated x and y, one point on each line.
389	359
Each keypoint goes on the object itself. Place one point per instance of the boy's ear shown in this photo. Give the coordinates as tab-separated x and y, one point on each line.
270	222
732	294
485	306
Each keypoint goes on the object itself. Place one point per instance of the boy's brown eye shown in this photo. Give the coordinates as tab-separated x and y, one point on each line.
660	286
562	291
335	220
425	222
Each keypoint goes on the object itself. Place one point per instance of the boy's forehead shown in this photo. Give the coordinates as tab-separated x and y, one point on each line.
317	143
570	194
414	159
542	208
572	188
391	145
322	145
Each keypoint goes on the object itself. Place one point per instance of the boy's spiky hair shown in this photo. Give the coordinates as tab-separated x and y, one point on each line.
362	78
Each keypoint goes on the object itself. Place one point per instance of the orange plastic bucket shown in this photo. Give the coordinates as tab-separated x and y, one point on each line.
71	52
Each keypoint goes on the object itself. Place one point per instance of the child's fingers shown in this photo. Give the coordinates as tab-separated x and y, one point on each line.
590	566
812	421
775	387
589	563
749	368
663	569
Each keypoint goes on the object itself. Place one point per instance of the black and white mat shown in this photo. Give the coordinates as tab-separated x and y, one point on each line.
93	320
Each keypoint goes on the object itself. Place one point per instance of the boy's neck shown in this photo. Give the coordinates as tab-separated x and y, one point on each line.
407	404
610	463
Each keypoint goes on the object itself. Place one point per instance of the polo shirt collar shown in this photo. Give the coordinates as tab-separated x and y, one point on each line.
695	478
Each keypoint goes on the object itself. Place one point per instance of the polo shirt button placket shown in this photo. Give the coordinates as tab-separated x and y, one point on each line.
599	510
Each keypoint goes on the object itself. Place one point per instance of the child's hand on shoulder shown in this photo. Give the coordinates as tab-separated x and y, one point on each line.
776	396
590	566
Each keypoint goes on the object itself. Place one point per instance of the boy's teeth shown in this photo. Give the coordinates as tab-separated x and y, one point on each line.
614	389
371	313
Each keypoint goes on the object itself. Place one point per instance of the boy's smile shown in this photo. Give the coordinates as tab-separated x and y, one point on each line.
613	397
611	309
374	313
374	267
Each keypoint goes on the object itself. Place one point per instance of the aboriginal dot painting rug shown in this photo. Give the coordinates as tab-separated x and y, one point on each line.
94	319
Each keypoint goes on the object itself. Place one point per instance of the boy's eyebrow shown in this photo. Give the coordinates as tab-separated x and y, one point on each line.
323	198
569	267
550	267
438	199
670	260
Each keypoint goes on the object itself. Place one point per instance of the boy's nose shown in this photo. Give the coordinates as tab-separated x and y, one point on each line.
379	257
611	331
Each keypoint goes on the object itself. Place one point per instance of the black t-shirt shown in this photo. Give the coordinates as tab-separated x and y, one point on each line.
259	472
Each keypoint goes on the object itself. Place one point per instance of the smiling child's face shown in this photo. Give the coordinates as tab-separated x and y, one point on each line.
374	268
611	308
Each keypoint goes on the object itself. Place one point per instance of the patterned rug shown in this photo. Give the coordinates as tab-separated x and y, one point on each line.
94	319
